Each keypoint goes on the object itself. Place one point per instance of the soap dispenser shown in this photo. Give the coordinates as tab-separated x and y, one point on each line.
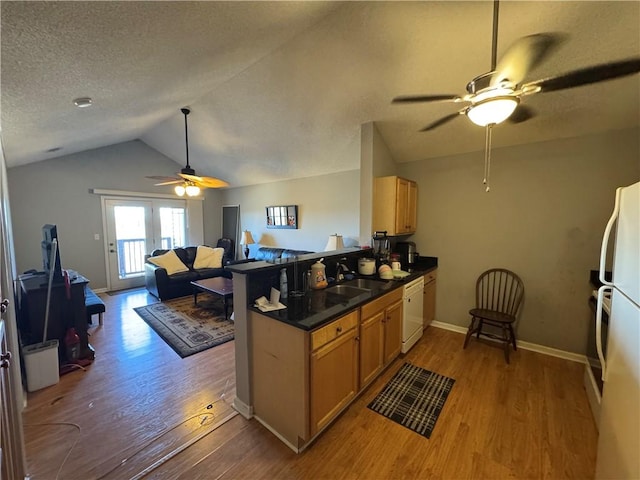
318	275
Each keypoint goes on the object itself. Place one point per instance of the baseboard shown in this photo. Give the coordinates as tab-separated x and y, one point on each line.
533	347
242	408
99	290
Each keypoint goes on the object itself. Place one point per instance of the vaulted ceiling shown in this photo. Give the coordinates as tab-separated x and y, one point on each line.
279	89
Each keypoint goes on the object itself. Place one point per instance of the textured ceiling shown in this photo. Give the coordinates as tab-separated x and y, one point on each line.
280	89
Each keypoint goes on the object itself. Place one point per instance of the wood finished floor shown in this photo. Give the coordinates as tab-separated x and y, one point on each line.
529	419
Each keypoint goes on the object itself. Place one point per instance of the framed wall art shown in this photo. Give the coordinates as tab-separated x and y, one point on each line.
283	216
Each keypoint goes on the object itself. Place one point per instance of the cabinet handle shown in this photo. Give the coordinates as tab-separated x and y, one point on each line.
5	356
339	330
5	364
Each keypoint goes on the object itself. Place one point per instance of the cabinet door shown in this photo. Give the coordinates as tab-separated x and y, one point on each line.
334	378
371	348
412	207
429	302
392	331
402	198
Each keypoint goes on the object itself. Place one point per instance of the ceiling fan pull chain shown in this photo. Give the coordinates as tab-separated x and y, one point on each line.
487	157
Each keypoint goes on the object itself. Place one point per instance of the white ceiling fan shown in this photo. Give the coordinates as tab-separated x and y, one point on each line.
495	96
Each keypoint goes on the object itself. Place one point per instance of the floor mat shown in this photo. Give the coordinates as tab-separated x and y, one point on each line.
414	398
186	328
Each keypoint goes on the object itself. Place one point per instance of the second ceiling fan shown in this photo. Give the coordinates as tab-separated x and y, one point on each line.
187	181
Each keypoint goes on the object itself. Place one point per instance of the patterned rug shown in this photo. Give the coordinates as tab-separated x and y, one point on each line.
414	398
186	328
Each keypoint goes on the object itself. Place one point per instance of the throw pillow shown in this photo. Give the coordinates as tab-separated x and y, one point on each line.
207	257
170	262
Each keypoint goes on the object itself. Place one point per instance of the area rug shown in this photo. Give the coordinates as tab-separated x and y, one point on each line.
414	398
186	328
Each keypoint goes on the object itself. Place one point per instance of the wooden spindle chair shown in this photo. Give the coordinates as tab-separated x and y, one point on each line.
499	293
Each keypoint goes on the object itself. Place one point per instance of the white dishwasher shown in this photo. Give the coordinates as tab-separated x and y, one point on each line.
412	313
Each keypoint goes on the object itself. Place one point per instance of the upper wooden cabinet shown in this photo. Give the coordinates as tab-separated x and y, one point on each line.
395	205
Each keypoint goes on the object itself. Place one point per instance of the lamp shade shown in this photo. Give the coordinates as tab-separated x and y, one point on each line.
492	110
335	243
246	238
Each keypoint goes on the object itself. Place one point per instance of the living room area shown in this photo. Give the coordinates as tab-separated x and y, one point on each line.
305	104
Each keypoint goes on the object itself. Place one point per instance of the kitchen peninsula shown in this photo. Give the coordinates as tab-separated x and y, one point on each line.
298	368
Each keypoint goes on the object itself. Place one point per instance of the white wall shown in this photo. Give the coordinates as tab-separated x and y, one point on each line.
327	204
543	219
58	191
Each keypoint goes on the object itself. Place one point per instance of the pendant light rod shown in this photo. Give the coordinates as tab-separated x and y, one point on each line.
494	39
186	112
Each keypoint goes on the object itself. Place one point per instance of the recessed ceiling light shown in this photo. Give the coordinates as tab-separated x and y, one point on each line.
83	102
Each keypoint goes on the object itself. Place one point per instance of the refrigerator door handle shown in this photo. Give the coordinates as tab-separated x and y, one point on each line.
601	291
606	236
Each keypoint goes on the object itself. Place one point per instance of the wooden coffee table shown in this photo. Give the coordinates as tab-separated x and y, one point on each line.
220	286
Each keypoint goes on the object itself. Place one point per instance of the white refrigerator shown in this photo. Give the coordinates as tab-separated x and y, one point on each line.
619	438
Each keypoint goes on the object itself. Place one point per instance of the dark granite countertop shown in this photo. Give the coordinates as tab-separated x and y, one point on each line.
319	307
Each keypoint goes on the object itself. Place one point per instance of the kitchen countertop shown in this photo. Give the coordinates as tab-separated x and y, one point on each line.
318	307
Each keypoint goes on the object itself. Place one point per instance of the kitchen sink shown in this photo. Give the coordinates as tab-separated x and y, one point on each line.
366	283
347	290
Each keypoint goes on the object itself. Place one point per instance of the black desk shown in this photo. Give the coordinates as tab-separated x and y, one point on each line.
63	312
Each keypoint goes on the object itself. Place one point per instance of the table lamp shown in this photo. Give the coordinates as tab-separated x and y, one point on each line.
246	240
335	243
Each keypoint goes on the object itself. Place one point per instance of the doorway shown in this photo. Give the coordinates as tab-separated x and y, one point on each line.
133	229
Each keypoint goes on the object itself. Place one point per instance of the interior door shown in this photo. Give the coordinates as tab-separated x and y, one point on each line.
129	238
11	400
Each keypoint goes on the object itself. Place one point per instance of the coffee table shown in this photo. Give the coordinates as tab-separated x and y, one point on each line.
220	286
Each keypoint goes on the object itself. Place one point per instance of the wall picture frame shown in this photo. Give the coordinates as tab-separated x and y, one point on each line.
282	216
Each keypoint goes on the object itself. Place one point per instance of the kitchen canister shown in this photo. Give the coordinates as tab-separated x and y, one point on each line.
366	266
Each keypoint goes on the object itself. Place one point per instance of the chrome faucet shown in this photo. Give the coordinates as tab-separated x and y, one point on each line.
340	269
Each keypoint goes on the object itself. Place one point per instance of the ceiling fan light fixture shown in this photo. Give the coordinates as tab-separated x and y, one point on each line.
492	111
192	190
180	190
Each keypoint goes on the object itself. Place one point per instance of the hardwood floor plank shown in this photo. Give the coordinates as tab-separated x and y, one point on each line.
528	419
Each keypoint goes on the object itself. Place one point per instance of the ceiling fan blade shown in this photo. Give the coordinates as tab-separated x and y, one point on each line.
585	76
522	56
521	114
427	98
168	182
441	121
207	182
164	180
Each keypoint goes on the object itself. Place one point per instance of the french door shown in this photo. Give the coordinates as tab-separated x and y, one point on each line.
134	228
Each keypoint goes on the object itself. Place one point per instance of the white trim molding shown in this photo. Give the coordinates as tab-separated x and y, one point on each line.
534	347
124	193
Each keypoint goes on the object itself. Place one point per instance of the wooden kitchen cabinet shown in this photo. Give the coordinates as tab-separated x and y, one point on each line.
395	202
393	331
333	369
429	298
380	334
371	348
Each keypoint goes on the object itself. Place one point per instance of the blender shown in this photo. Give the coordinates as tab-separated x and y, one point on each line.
380	244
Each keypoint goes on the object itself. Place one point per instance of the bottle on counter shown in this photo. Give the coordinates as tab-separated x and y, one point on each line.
283	283
318	275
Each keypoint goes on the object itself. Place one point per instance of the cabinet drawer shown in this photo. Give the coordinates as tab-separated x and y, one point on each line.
381	303
329	332
431	276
